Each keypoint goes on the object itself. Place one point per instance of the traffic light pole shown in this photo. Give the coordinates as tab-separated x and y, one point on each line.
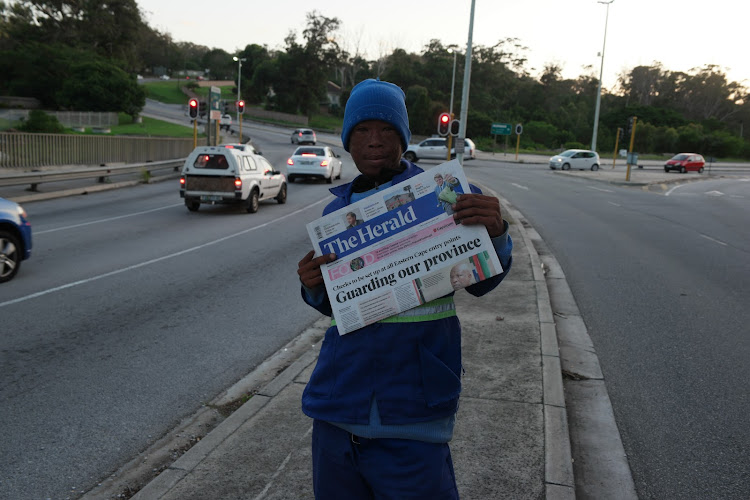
195	133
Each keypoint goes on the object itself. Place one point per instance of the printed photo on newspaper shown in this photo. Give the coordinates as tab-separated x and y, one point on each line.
401	248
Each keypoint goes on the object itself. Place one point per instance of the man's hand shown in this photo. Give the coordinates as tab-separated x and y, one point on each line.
472	209
309	269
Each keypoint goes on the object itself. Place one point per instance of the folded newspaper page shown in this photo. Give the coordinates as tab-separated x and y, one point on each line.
400	248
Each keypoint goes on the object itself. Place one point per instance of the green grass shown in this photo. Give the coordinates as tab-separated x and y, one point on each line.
149	127
167	91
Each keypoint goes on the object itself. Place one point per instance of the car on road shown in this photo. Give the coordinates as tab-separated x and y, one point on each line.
164	77
226	122
304	136
318	162
15	238
436	148
581	159
685	162
230	174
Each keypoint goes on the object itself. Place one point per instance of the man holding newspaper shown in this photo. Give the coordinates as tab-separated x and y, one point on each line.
384	396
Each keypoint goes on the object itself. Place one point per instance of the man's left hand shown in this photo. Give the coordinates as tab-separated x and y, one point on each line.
472	209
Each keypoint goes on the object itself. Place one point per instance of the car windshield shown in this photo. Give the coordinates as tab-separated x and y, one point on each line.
212	161
568	153
680	157
310	152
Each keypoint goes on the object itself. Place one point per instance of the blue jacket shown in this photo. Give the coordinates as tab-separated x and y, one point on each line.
411	369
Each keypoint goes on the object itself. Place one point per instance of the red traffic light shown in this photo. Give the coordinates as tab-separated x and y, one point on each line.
193	105
241	106
444	124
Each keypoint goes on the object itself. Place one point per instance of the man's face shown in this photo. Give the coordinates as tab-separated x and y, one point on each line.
460	277
439	180
375	146
351	219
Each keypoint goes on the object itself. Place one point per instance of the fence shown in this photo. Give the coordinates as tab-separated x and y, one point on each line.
21	150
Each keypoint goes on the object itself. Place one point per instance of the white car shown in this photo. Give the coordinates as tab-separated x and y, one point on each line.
435	148
226	122
581	159
230	174
318	162
164	77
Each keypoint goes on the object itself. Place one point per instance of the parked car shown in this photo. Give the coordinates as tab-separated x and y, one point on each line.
581	159
164	77
15	238
314	162
470	149
304	136
685	162
229	174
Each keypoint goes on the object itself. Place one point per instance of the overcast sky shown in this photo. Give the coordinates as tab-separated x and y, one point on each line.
570	33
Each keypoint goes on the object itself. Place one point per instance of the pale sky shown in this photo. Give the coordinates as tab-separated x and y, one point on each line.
570	33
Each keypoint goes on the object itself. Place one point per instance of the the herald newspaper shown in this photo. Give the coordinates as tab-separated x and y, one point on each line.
400	248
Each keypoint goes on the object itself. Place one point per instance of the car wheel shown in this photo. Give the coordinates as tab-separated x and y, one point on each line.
566	166
192	204
410	156
10	256
281	197
683	170
594	167
329	180
700	170
666	169
251	205
291	179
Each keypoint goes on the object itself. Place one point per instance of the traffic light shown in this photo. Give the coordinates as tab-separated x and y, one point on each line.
629	128
241	106
444	124
226	107
455	125
193	106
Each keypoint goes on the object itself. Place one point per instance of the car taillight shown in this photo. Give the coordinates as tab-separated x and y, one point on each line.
237	183
290	162
324	163
309	154
182	181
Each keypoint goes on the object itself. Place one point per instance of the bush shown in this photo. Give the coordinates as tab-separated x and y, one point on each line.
41	122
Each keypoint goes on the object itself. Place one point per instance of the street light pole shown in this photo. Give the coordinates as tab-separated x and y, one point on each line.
601	73
239	90
467	81
453	81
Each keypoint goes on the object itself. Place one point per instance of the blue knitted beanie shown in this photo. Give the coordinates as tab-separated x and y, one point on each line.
376	100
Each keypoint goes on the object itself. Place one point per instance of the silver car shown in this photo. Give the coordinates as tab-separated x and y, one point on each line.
319	162
581	159
304	136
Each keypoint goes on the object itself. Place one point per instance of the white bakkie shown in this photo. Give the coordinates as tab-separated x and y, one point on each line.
231	173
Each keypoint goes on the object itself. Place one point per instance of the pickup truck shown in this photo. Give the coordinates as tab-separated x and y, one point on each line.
230	174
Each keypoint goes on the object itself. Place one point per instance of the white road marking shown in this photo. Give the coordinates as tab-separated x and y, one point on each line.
600	189
714	240
154	261
714	193
109	219
613	203
519	186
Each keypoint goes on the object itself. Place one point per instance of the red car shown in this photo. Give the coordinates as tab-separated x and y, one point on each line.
685	162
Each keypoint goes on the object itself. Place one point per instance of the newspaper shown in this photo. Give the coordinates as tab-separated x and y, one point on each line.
401	248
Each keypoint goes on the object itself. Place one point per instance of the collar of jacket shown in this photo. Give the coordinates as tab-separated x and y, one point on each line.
345	190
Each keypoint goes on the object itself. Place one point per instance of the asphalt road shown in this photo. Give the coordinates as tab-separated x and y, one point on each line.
661	280
132	315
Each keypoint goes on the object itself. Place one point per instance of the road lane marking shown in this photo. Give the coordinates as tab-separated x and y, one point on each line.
613	203
519	186
600	189
109	219
714	240
158	259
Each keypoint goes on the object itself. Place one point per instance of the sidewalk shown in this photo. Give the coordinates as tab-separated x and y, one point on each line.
511	438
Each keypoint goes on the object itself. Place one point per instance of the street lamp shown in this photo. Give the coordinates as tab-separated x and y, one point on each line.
601	73
453	81
239	81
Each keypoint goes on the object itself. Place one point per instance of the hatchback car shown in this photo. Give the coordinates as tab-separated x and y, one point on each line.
15	238
304	136
314	162
685	162
581	159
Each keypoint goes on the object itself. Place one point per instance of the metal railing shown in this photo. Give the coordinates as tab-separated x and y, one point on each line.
23	150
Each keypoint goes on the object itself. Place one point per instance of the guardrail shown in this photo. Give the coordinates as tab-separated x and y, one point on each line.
33	179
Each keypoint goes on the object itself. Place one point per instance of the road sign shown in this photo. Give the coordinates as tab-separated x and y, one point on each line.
500	129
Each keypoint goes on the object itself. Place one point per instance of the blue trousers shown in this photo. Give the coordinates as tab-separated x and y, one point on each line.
352	468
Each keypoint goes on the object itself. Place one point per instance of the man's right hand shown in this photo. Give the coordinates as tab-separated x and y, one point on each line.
309	269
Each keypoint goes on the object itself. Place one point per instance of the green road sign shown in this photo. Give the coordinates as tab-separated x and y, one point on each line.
500	129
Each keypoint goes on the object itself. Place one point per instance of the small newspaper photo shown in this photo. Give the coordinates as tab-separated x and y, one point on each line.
401	248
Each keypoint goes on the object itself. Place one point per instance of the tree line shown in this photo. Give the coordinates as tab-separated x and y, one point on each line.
84	55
